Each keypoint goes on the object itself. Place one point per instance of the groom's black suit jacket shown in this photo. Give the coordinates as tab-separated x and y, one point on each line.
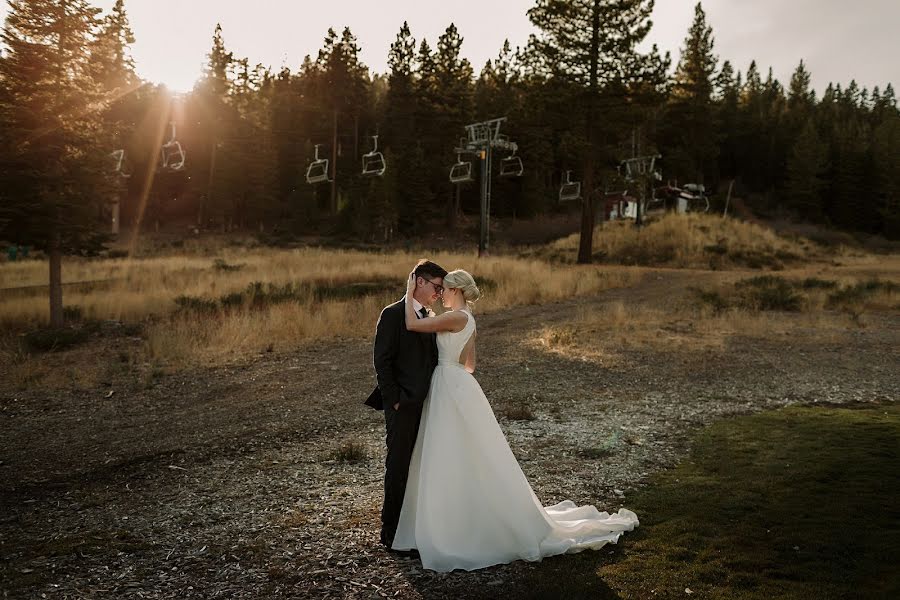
404	360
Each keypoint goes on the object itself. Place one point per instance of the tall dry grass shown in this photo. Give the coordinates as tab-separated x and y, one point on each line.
145	290
691	240
606	336
818	305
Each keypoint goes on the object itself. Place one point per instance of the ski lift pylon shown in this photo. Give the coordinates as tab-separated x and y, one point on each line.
373	163
317	171
569	190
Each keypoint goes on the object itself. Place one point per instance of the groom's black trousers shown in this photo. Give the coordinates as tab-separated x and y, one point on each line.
402	429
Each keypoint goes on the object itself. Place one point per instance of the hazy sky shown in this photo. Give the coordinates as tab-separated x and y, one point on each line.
839	40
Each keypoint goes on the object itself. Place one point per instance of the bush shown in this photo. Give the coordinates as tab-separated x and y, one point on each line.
519	413
352	291
856	294
220	265
72	313
769	292
713	298
52	340
195	304
812	283
350	452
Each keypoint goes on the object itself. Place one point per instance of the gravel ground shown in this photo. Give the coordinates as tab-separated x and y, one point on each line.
222	483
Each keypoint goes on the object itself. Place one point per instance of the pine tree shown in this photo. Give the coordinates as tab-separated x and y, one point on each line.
51	125
886	162
806	165
591	43
400	128
801	98
727	119
111	61
693	148
453	109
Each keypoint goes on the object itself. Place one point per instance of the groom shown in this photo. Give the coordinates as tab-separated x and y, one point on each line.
404	362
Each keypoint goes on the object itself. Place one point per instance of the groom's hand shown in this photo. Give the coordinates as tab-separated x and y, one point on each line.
397	406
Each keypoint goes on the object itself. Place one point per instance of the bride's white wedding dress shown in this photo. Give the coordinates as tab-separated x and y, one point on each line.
468	505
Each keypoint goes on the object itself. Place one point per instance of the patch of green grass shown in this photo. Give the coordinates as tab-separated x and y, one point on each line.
794	503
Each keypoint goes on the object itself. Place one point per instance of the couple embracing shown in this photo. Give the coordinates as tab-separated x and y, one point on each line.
454	494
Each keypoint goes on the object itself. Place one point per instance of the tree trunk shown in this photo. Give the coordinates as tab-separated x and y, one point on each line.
586	243
56	305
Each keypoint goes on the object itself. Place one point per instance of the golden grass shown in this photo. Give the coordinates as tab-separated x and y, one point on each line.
145	289
684	324
691	240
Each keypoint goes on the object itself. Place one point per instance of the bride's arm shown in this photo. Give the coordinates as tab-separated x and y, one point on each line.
449	321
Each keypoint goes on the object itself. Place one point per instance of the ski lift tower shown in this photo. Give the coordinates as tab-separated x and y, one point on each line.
481	139
641	170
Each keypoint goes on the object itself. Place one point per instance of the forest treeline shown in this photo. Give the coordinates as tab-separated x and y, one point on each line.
579	96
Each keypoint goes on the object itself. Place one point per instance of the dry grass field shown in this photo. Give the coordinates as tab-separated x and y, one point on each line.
204	434
694	240
200	309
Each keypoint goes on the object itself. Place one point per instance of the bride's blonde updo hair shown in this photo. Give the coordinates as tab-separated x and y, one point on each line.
465	283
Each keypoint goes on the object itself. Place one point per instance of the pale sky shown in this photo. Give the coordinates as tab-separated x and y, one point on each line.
839	40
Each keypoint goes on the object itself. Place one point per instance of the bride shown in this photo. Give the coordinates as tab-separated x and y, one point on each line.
467	504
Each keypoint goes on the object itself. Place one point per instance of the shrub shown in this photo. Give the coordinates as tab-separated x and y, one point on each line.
713	298
350	451
858	293
811	283
769	292
195	304
220	265
51	340
519	412
718	249
350	291
72	313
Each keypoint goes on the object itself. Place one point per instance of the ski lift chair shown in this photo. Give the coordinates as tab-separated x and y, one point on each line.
461	172
119	165
511	166
373	163
173	156
570	190
317	171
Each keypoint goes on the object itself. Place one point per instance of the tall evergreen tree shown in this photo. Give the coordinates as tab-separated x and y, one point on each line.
693	147
51	127
591	43
805	168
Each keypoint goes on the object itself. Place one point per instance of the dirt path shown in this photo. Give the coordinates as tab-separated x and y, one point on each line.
222	483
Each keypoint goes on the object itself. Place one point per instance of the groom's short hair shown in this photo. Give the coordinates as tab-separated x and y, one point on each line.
429	269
